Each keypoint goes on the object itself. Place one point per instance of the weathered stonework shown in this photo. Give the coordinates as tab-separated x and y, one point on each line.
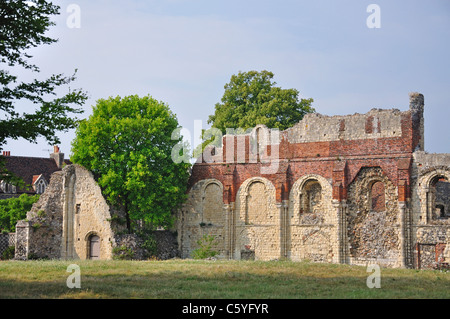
67	215
354	189
431	228
373	235
351	189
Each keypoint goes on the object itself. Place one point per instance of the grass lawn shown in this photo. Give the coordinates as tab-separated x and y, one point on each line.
192	279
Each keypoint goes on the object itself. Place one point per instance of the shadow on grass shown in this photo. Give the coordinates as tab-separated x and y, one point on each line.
227	285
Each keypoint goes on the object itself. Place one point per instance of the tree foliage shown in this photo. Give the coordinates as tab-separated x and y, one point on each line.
23	26
127	144
14	209
252	98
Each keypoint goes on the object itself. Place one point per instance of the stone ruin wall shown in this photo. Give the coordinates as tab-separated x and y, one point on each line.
60	224
257	220
202	215
71	210
39	236
344	191
373	233
351	189
431	231
312	221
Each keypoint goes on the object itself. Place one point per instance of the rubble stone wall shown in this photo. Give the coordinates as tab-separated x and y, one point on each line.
202	215
257	221
348	189
60	223
373	234
431	231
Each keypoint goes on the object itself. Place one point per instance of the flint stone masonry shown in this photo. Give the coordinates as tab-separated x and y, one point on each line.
356	189
316	127
72	210
67	214
431	232
353	189
373	235
166	245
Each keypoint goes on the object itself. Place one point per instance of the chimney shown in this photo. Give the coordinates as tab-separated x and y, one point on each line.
57	156
6	153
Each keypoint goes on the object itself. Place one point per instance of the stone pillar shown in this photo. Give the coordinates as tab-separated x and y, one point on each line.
283	228
22	240
286	227
428	206
402	237
340	209
416	105
229	230
407	226
67	243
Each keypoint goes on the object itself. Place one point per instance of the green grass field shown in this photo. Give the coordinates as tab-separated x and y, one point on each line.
192	279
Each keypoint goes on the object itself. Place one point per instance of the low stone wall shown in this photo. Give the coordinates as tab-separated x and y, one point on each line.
131	246
166	244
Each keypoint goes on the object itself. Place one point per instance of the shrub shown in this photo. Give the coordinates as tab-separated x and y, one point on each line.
8	253
148	242
36	226
205	250
41	214
122	253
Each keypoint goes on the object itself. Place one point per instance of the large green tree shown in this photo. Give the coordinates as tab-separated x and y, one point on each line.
23	26
127	144
252	98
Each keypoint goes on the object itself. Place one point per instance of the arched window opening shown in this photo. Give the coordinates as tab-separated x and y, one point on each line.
257	205
377	197
311	197
40	187
440	197
212	205
440	211
7	188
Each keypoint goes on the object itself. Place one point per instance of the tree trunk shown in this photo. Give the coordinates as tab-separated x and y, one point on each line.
127	216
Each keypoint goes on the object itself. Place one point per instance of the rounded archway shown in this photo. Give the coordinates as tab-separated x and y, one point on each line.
434	194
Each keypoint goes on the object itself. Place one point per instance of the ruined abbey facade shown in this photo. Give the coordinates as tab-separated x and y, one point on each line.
354	189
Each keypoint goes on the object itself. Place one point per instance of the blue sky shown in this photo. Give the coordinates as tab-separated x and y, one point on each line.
183	53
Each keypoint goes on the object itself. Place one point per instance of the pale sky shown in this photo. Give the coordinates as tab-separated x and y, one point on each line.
183	53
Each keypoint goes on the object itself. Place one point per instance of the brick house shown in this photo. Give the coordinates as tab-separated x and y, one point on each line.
34	171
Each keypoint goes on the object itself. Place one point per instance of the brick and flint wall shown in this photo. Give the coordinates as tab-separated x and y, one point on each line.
314	191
